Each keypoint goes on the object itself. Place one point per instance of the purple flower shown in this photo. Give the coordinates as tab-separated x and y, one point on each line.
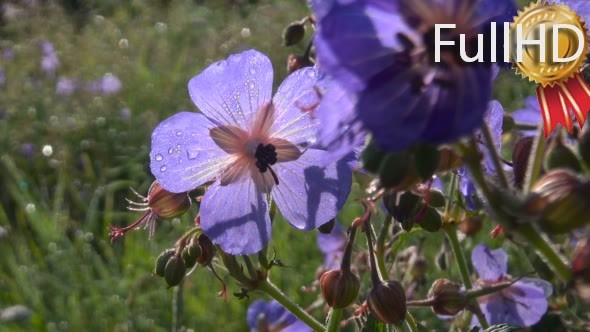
252	147
49	59
581	7
493	118
271	316
332	245
382	51
106	85
65	87
529	115
521	304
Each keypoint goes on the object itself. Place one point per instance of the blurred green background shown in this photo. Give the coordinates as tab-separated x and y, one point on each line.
70	152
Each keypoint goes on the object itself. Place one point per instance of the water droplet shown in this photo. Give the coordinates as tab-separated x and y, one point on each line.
192	154
171	150
311	73
251	85
163	168
47	150
159	157
178	132
300	194
252	71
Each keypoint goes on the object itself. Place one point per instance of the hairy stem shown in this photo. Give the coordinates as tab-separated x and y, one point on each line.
334	320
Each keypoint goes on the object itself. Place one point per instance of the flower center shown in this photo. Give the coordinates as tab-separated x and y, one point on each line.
266	155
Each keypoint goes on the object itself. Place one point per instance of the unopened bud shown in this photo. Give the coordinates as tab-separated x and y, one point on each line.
387	302
208	250
426	160
560	199
520	159
191	253
560	155
471	225
162	260
372	156
448	297
405	210
431	221
339	288
294	32
165	204
394	169
174	271
296	62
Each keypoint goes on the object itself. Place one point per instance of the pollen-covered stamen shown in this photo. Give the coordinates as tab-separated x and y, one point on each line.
266	155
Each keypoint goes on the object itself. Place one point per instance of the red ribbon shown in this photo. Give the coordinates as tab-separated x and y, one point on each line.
556	102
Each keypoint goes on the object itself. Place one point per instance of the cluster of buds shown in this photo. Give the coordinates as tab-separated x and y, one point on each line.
159	203
416	206
172	264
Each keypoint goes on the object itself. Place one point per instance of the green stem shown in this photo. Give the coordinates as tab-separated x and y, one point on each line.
380	250
489	141
546	250
450	195
274	292
451	232
535	162
411	322
334	320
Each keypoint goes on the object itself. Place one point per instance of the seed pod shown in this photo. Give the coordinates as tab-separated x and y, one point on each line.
208	250
293	33
162	260
560	200
448	297
174	271
165	204
520	158
431	221
387	302
560	155
339	288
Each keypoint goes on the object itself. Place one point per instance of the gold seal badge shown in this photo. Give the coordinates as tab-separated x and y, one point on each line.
530	20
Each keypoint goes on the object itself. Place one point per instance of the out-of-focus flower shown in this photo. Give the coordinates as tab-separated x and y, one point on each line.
125	113
529	115
8	54
521	304
581	7
107	85
28	150
273	317
65	86
251	146
49	59
382	53
332	245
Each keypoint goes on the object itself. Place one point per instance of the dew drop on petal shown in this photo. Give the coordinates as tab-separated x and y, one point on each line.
178	133
171	150
192	154
252	71
163	168
311	73
251	85
159	157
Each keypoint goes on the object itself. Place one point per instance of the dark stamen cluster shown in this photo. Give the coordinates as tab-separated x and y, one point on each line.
266	156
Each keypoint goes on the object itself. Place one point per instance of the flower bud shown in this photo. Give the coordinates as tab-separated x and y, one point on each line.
520	159
165	204
448	297
208	250
387	302
431	221
560	155
560	199
293	33
426	160
394	169
584	142
174	271
581	270
449	160
406	210
296	62
471	225
162	260
339	288
372	156
191	253
432	196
